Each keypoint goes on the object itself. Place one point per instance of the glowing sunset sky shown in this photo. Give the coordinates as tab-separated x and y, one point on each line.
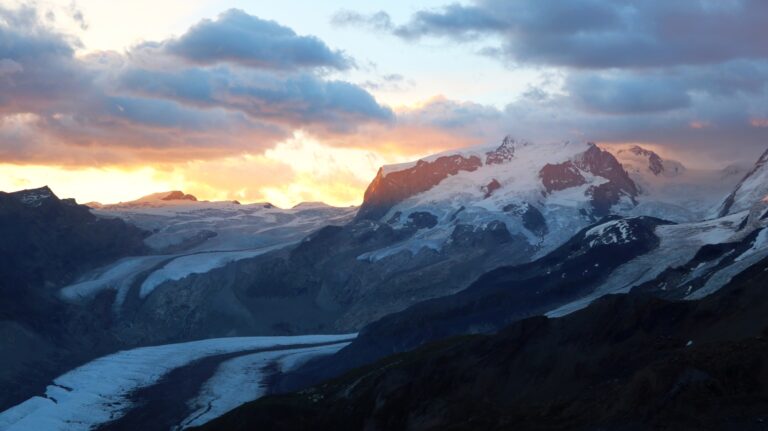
296	101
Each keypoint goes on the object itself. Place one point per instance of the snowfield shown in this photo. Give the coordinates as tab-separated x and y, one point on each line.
678	245
238	381
190	237
99	391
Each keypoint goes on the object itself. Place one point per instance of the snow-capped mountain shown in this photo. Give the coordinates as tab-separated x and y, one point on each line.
541	191
638	160
672	191
194	237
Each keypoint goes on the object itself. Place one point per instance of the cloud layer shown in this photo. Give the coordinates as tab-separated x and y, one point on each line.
227	86
678	73
239	38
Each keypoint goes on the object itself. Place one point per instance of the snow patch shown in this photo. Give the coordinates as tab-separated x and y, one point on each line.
98	392
239	380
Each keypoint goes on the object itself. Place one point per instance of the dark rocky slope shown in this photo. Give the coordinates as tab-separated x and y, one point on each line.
494	300
626	362
46	242
319	285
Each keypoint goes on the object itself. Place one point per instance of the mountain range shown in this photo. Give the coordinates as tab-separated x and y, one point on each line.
533	285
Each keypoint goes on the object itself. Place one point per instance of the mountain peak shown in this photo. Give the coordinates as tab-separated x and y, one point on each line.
178	195
504	153
638	160
34	197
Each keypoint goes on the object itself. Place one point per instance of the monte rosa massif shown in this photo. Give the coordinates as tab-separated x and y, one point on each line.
517	285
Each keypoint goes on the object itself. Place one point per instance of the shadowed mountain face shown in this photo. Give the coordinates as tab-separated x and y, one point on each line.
497	298
451	245
626	362
751	188
45	243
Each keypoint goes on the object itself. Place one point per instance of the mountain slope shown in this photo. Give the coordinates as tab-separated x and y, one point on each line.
46	243
624	362
752	188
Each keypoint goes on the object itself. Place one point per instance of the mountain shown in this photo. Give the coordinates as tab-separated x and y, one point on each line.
627	361
670	190
540	191
46	243
194	281
752	188
675	261
464	242
638	160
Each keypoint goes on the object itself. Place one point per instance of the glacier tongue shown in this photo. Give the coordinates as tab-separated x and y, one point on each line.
100	391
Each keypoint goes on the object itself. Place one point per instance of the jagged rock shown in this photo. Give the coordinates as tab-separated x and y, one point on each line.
491	187
386	190
503	154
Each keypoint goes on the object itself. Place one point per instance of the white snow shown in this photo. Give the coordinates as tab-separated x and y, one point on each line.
199	263
240	232
35	198
612	232
97	392
758	244
678	245
118	276
680	195
753	188
239	380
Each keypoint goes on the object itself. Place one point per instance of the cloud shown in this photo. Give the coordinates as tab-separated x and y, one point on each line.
148	105
595	33
630	71
380	21
441	112
295	99
626	94
239	38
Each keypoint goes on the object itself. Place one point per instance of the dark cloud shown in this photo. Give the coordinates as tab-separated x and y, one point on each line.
686	74
626	95
596	33
116	107
239	38
299	99
445	113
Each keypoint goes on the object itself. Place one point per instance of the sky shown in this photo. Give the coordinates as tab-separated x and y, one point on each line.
297	101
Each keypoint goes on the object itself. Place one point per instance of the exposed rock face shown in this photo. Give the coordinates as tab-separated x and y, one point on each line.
597	162
561	176
491	187
492	235
503	154
625	362
751	189
421	220
532	218
387	190
177	195
602	163
45	243
654	161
